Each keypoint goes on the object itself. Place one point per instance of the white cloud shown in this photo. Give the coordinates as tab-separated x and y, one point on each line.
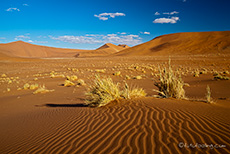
146	33
21	37
171	20
42	42
12	9
157	13
2	38
94	39
106	16
123	33
171	13
25	4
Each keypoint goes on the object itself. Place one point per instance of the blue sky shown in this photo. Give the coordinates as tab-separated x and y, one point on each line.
88	24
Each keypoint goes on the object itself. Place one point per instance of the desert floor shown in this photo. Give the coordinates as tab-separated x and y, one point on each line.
59	122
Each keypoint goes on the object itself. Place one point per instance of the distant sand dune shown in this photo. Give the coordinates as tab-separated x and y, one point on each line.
139	126
27	50
191	43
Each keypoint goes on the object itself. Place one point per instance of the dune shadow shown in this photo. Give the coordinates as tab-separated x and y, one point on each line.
66	105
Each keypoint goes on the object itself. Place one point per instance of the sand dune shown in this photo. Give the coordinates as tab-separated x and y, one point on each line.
105	50
183	44
123	45
27	50
23	49
198	43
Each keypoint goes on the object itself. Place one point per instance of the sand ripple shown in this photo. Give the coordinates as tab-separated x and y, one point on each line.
140	126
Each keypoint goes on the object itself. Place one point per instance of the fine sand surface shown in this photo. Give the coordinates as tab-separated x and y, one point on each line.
58	121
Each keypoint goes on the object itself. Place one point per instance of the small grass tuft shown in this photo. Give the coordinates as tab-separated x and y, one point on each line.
208	95
102	92
129	93
170	84
42	90
220	77
68	83
81	82
137	77
105	91
117	73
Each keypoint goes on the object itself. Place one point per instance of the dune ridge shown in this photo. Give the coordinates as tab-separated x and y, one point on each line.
186	43
27	50
138	126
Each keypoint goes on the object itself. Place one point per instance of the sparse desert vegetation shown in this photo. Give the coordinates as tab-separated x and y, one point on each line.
170	84
42	90
104	91
208	95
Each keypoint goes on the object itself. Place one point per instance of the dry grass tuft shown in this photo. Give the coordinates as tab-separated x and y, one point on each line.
208	95
129	93
26	86
100	70
105	91
68	83
117	73
102	92
170	84
4	76
33	86
81	82
137	77
220	77
72	78
42	90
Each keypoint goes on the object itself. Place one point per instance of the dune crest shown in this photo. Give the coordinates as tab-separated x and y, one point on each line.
27	50
188	43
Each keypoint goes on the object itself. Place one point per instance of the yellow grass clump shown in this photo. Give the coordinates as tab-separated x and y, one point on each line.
33	86
72	78
208	95
105	91
81	82
26	86
129	93
100	70
170	84
68	83
220	77
137	77
42	90
102	92
127	77
4	75
117	73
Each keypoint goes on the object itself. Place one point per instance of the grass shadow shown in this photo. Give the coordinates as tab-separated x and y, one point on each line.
66	105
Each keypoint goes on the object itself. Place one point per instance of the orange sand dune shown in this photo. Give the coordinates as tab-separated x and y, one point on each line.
106	49
123	45
182	44
23	49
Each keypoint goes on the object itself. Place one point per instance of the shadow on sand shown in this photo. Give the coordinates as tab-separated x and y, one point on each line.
66	105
